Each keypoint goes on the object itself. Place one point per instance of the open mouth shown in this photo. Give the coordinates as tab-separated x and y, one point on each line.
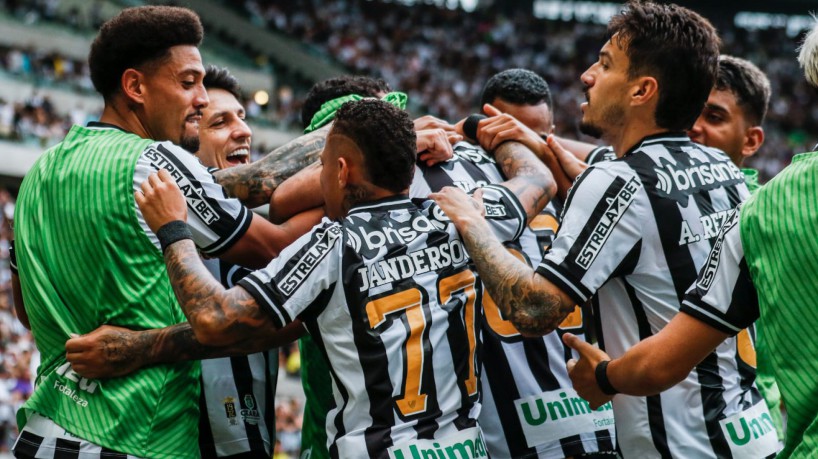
240	156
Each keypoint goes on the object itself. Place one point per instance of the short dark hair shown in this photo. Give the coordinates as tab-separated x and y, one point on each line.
221	78
517	86
676	46
386	136
137	36
333	88
749	85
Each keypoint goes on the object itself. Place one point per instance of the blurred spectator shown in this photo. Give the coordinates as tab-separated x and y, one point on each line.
440	57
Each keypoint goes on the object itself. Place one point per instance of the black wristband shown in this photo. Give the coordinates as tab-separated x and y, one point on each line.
601	374
470	125
173	232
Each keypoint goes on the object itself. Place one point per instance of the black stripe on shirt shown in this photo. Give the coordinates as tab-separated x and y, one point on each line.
713	405
243	376
501	385
66	449
27	445
656	419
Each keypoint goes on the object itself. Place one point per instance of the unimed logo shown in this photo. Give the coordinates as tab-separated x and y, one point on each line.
537	412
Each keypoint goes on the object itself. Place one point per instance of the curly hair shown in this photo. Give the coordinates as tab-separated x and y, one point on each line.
676	46
137	36
386	136
333	88
748	84
220	78
518	87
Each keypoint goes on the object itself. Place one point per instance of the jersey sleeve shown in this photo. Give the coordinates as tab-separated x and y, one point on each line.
600	233
504	212
215	220
305	271
724	296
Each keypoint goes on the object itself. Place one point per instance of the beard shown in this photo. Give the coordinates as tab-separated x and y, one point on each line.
590	129
190	143
613	117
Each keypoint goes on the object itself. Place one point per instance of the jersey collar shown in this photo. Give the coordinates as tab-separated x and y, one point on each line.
668	136
396	202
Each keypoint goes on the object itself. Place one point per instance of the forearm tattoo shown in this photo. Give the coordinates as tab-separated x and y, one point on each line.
512	284
232	315
530	180
253	184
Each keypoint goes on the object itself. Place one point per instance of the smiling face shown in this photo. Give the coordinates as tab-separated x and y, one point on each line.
606	84
224	137
174	97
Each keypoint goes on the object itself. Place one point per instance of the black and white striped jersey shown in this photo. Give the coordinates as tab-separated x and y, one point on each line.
215	220
523	379
389	297
634	233
236	406
598	154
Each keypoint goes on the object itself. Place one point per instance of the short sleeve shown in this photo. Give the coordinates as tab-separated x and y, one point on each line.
601	226
215	220
724	296
305	270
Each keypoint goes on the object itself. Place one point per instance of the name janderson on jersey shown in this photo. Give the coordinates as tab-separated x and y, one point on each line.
431	258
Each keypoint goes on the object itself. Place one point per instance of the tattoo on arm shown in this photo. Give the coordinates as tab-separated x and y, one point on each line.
217	316
529	179
253	184
518	291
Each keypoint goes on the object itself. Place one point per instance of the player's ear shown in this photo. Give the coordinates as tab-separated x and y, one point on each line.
643	90
132	85
343	172
753	139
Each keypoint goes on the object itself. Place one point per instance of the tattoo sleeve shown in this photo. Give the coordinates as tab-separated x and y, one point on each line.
253	184
521	294
218	317
528	178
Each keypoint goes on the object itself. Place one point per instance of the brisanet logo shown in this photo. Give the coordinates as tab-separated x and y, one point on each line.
684	179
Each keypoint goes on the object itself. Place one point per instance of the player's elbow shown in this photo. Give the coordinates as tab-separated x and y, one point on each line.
212	331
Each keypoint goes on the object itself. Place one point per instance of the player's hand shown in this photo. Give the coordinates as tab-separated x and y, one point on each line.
572	165
500	127
435	145
106	352
563	165
432	122
582	371
161	201
461	208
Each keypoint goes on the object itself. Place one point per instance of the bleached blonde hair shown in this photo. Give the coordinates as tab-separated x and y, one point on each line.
808	55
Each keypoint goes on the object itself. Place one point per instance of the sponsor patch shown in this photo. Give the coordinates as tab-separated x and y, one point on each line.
466	444
309	260
161	159
751	433
551	416
678	181
714	258
495	210
605	225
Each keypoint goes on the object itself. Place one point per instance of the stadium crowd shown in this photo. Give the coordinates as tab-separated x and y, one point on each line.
439	57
